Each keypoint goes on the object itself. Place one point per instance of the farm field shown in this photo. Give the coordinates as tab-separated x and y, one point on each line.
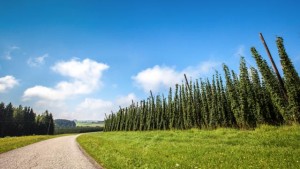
10	143
264	147
89	123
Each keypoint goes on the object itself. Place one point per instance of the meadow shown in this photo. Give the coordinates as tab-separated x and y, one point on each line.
264	147
10	143
89	123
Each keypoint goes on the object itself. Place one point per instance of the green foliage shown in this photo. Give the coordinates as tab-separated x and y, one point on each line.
89	123
272	85
264	147
292	82
10	143
63	123
247	102
244	101
79	129
19	121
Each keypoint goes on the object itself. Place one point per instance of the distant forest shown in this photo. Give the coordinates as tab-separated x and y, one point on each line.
63	123
243	100
20	121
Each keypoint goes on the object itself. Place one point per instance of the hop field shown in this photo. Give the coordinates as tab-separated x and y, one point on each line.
264	147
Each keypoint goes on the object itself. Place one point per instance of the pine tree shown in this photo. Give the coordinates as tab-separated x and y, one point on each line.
2	119
18	126
9	121
51	125
31	121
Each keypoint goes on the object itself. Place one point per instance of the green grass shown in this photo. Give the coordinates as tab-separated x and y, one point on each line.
77	129
89	124
265	147
10	143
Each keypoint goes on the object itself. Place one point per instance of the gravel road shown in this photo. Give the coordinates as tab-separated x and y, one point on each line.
57	153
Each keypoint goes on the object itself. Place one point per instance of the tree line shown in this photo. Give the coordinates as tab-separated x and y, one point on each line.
64	123
244	100
20	121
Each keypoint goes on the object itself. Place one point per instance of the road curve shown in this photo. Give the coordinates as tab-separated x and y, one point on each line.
57	153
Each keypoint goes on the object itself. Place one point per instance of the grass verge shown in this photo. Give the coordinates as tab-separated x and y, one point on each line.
10	143
265	147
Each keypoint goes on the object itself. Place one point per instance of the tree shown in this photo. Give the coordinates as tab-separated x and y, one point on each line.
232	95
31	121
246	97
19	121
9	121
51	124
292	82
2	119
244	101
272	85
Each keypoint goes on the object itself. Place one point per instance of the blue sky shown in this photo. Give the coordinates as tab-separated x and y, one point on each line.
81	59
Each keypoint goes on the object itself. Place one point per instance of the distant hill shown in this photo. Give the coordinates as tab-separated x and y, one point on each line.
63	126
63	123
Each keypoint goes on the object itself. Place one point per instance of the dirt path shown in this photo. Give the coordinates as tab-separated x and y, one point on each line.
57	153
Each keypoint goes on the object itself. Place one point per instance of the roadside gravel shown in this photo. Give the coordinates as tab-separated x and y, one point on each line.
57	153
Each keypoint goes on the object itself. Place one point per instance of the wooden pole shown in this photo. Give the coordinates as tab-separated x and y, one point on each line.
151	95
283	91
187	82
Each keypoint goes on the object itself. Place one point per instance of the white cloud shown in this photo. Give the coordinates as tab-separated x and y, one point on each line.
240	51
9	51
125	101
157	77
85	70
163	77
99	104
92	109
44	93
7	82
37	61
85	77
86	109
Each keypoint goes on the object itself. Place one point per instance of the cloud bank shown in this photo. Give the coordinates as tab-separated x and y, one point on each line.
84	78
160	78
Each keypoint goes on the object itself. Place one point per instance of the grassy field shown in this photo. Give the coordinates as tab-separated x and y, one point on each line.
10	143
266	147
89	124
